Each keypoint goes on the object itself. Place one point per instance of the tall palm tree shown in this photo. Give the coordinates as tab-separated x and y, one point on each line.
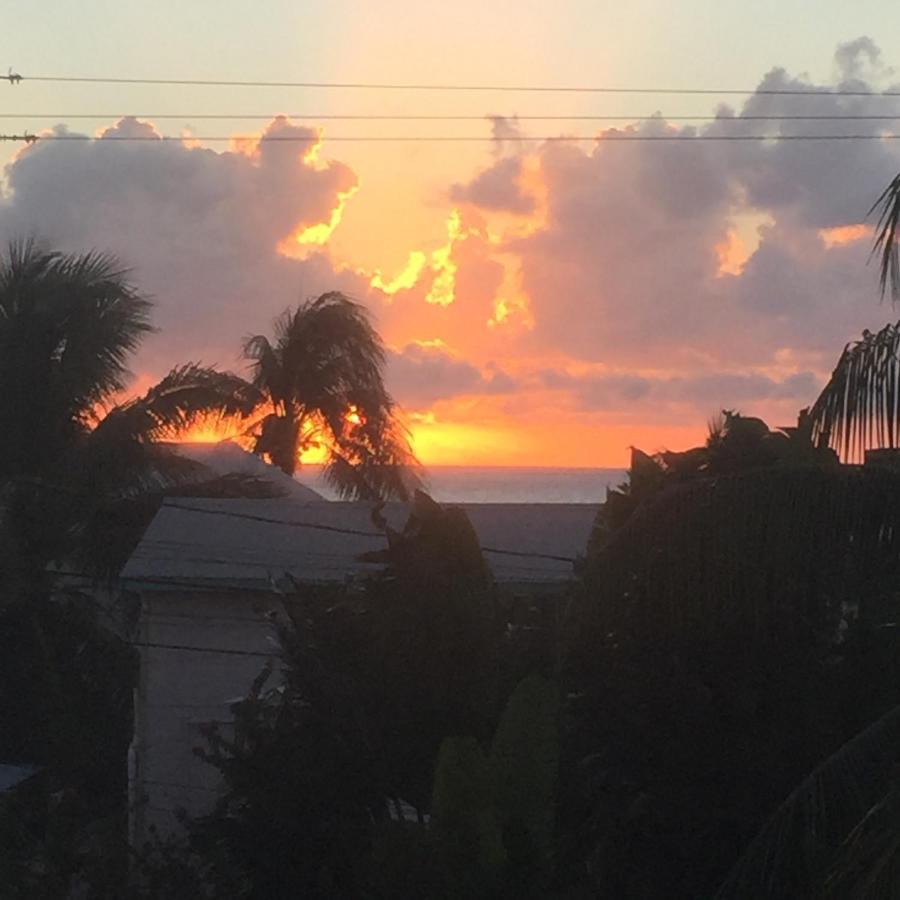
68	324
321	378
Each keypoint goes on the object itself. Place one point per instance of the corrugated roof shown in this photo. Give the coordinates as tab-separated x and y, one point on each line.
254	542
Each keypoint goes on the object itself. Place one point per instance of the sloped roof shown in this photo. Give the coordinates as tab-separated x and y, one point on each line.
227	458
212	543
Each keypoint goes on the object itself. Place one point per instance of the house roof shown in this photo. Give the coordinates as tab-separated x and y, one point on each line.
227	458
253	543
10	776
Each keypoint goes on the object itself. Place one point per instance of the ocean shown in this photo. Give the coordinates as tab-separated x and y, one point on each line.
501	484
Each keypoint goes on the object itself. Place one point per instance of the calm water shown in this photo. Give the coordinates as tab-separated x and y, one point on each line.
497	484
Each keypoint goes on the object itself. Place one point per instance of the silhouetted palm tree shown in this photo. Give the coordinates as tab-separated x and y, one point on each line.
67	326
888	208
322	379
860	406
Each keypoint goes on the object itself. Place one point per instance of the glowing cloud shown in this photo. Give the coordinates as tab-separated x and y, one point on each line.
443	265
841	235
732	254
320	233
511	309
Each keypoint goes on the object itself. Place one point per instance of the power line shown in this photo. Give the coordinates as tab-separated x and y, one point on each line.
226	651
15	77
336	529
620	138
269	520
384	117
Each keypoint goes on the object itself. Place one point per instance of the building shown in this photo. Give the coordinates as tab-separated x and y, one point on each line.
209	572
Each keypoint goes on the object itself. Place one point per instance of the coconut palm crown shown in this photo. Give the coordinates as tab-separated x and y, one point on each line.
321	380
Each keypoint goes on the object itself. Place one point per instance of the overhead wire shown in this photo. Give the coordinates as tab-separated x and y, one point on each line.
431	117
606	138
16	78
293	523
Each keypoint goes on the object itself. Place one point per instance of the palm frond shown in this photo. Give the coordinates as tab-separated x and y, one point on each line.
67	326
885	247
326	361
859	408
832	836
106	321
187	394
124	454
267	373
373	461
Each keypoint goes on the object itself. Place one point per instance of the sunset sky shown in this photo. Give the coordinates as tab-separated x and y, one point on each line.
545	302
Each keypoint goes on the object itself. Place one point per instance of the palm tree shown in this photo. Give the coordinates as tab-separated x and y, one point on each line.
859	408
888	208
321	380
69	451
68	324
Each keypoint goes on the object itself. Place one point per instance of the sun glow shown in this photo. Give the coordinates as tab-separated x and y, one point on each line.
212	429
438	442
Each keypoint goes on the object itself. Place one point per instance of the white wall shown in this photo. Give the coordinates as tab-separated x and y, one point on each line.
180	689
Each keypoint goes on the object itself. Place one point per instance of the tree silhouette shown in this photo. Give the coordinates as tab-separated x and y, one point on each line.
322	379
68	323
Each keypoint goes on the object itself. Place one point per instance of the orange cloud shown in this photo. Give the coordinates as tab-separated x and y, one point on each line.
732	254
841	235
443	265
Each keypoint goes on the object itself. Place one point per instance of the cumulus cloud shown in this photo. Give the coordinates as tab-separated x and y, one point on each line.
497	188
626	268
199	228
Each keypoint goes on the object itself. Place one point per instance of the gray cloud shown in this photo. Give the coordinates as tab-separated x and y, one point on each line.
626	269
198	227
507	133
421	374
497	188
703	393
